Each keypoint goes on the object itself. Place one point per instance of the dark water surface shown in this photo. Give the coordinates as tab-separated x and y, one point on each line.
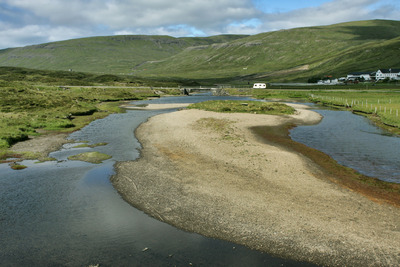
353	141
66	213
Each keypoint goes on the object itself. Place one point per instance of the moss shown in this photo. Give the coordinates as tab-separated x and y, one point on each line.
92	157
91	146
18	166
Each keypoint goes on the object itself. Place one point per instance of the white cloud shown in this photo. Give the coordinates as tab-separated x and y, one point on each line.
328	13
35	34
24	22
138	13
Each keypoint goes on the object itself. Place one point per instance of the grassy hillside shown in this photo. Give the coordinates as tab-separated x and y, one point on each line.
291	54
286	55
112	54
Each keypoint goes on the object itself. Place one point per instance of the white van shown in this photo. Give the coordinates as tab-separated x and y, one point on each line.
259	85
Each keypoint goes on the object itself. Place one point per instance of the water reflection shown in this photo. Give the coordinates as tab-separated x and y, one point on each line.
354	142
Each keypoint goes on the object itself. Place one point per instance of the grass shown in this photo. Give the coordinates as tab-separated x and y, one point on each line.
382	105
91	146
32	102
25	109
92	157
255	107
287	55
108	54
18	167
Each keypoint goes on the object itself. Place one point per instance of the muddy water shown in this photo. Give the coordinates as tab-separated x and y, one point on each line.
66	213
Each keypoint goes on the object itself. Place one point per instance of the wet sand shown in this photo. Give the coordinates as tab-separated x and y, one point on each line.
210	173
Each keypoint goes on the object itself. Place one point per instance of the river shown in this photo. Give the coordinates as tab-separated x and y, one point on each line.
355	142
66	213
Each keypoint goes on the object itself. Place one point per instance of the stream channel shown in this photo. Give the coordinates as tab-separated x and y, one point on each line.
66	213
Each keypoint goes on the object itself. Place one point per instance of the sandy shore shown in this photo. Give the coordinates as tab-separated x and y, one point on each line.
209	173
42	145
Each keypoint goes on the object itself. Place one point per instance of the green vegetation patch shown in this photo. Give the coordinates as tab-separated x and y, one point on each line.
381	103
236	106
381	107
92	157
91	146
219	125
18	166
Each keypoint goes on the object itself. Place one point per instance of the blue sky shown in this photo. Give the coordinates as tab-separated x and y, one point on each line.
27	22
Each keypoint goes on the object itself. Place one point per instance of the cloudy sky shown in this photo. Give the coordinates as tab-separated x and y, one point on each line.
27	22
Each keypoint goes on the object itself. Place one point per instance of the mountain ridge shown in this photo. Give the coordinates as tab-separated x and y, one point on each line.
285	55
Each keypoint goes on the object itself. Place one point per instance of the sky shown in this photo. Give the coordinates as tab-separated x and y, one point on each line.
29	22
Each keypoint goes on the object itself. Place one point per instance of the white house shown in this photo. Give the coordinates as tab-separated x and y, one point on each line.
259	85
328	81
359	75
392	74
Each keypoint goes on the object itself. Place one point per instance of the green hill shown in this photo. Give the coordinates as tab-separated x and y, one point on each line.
294	54
111	54
286	55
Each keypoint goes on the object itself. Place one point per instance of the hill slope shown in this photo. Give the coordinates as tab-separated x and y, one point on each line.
111	54
295	54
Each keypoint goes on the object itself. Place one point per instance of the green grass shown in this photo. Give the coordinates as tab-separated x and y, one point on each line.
272	56
382	106
91	146
379	106
92	157
108	54
276	56
28	107
18	167
235	106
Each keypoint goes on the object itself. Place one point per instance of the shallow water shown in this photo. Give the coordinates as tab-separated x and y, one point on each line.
66	213
355	142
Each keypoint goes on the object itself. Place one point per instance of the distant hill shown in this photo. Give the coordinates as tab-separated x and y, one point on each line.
110	54
286	55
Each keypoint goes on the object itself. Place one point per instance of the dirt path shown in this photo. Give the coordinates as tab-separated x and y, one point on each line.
208	173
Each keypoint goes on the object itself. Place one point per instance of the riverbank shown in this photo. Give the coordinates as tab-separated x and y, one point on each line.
39	147
209	173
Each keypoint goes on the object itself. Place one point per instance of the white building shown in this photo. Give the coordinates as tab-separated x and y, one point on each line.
259	85
366	76
391	74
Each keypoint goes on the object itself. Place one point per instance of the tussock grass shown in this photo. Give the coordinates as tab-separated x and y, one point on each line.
255	107
28	107
18	166
92	157
383	107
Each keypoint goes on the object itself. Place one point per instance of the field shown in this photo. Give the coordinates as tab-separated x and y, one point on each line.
381	106
31	104
26	111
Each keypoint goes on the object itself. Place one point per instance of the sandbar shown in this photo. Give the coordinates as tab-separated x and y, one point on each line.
208	173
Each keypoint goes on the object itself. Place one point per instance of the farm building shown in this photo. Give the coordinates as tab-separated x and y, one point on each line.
392	74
